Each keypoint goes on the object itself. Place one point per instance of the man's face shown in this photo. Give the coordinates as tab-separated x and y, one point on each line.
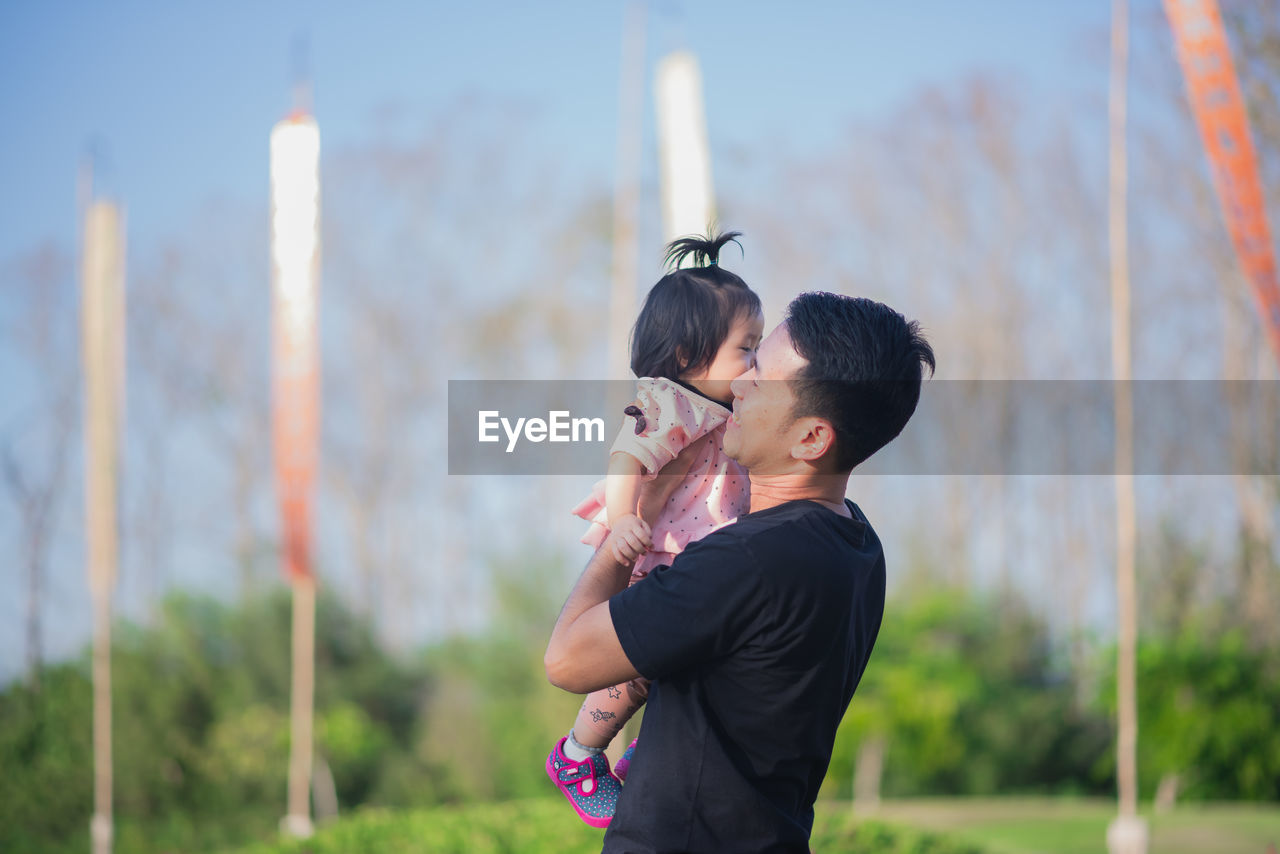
757	435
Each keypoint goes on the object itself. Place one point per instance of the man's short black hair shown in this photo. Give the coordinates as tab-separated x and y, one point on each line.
865	366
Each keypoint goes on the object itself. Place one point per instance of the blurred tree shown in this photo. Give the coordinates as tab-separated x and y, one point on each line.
447	257
35	441
964	690
979	210
1209	690
1253	28
199	371
46	791
976	211
1209	707
493	714
1254	31
1174	148
968	698
201	721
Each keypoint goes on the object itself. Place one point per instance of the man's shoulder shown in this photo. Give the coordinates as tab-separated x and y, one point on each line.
793	526
786	517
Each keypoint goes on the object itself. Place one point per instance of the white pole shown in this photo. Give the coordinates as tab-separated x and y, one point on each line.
102	335
1127	834
688	200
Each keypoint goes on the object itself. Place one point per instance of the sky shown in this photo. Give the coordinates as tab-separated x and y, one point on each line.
177	99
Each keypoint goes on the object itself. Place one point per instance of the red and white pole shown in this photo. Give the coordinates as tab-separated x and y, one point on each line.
295	275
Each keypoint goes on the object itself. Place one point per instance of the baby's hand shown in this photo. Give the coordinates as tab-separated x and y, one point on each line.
631	538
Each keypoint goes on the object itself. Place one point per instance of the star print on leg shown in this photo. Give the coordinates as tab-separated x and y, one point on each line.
615	693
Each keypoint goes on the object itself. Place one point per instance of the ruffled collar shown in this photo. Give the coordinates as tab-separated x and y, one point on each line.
727	404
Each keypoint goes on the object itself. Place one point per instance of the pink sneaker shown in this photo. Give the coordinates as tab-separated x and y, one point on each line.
624	761
589	785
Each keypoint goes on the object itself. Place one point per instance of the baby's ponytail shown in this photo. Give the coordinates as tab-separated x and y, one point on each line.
705	250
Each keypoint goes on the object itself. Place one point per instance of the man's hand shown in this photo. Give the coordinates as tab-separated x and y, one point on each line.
630	538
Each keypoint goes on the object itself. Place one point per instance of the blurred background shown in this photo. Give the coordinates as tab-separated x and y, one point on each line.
948	159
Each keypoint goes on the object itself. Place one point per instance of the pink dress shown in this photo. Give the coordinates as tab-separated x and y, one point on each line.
714	493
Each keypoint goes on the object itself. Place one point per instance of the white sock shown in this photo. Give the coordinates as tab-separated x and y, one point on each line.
578	752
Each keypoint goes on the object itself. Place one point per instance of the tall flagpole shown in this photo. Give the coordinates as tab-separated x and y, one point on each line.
684	157
295	268
1127	834
102	351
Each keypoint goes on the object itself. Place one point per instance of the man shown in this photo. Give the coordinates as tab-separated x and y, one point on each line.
757	635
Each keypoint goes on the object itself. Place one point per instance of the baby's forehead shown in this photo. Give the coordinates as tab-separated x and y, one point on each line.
744	323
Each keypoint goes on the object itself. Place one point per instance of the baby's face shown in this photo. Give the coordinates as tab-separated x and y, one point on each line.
735	357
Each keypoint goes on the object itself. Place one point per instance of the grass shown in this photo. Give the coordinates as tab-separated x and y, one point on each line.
925	826
1077	826
538	826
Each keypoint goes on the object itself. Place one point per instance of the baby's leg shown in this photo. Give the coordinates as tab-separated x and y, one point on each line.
604	713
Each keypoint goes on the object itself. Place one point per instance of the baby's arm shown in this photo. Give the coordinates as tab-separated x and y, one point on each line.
655	493
622	501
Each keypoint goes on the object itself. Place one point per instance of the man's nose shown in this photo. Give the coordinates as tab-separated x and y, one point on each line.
738	383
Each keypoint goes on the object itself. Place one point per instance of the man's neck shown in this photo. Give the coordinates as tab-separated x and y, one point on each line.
826	489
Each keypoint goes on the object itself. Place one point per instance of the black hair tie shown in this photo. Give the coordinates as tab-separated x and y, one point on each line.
638	414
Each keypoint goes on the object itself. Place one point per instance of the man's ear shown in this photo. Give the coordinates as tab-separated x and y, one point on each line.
814	440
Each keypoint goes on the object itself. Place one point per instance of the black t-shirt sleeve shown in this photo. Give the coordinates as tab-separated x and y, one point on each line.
701	607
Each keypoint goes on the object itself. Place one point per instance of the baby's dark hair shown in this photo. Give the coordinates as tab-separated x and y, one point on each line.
687	315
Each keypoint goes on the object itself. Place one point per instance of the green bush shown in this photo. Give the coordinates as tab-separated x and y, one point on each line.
969	699
1209	712
46	753
538	826
200	727
966	691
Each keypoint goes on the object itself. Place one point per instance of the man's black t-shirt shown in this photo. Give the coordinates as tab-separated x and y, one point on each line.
755	638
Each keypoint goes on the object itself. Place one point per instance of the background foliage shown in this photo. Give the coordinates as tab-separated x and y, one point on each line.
969	693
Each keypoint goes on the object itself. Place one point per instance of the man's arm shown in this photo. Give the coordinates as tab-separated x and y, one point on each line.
584	647
584	653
